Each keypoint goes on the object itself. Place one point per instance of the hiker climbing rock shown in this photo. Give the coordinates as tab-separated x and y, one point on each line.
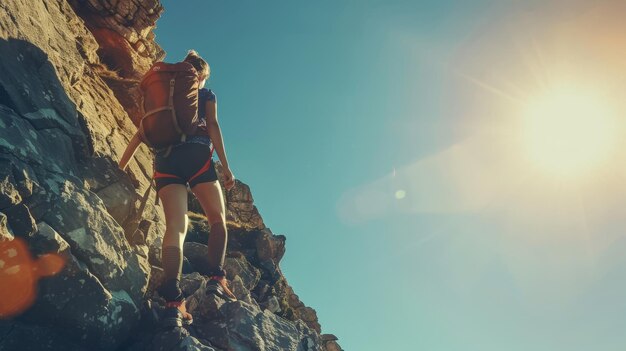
180	126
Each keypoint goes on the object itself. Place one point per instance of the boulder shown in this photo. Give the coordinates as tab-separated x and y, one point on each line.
249	328
240	267
269	246
330	342
197	253
190	283
85	311
241	325
97	240
241	212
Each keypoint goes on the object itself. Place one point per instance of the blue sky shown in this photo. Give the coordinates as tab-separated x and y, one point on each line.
380	137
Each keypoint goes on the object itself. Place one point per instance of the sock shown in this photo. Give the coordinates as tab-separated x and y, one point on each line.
172	258
172	261
218	238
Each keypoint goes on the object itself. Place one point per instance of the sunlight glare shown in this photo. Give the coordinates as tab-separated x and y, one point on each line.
569	132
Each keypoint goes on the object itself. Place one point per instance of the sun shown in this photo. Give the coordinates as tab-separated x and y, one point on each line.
568	131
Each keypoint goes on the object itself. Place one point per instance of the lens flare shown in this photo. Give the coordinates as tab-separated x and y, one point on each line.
19	274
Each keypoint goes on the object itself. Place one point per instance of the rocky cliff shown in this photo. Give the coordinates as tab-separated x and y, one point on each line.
69	71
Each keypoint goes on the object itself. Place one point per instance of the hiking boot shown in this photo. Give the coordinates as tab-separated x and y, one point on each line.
219	286
175	314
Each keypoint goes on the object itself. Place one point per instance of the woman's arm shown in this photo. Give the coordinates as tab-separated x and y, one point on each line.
133	144
215	133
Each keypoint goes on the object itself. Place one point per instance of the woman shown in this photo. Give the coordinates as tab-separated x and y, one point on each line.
189	163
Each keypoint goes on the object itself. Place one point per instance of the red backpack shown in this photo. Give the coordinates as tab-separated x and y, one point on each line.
170	102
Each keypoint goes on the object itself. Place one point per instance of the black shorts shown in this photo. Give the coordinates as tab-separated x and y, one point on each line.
188	163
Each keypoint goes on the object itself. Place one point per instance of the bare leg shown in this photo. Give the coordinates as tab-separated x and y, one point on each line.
210	197
174	199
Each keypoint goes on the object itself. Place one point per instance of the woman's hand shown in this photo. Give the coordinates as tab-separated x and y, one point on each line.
229	179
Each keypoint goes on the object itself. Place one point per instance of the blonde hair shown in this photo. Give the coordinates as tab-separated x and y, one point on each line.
198	63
